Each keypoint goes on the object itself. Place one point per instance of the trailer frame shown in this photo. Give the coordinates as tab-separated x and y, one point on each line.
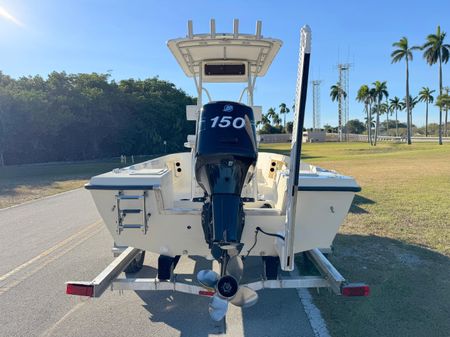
109	278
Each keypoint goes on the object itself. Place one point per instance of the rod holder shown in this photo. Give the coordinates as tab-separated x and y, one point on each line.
212	24
235	28
258	29
190	29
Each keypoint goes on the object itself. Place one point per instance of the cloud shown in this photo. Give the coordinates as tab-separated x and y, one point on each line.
6	15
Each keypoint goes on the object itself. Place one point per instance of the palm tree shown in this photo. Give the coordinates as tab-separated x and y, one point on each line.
412	104
364	96
443	101
404	52
379	92
271	113
384	109
336	94
372	124
435	51
276	119
395	106
283	111
425	96
372	109
264	120
387	115
447	89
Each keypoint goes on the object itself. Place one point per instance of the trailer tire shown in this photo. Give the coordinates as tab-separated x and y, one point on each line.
137	264
271	264
165	266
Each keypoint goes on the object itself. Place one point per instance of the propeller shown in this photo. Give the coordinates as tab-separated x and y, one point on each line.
235	267
208	278
227	288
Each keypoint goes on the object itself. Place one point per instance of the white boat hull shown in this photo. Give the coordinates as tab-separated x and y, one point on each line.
173	223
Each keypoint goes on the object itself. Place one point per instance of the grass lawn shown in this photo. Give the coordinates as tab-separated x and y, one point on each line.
20	183
396	238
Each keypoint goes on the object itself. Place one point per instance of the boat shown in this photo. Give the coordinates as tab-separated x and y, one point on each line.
225	200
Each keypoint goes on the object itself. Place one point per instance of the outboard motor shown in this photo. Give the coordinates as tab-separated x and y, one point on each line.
225	161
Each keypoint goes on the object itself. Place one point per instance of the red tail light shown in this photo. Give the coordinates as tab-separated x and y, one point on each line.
206	293
80	289
356	289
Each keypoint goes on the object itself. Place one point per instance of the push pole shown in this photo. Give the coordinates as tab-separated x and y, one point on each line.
287	254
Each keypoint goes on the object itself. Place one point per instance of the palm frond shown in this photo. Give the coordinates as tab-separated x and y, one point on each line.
397	58
445	53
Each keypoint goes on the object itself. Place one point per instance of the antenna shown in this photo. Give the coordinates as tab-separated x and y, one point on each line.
316	104
343	113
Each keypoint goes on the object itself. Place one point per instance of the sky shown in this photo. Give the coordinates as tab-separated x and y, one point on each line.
128	40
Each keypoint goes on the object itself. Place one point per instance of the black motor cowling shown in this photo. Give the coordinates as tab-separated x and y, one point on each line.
225	159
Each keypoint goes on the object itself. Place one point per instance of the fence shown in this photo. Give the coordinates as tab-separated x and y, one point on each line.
334	137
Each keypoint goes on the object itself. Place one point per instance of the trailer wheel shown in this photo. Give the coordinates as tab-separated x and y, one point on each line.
166	264
307	265
136	264
271	264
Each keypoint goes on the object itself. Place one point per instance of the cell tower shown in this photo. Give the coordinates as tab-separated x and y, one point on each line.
316	104
343	117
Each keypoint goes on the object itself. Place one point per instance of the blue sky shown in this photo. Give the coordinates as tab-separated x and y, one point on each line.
128	38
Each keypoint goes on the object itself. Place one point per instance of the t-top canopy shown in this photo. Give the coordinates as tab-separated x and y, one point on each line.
224	57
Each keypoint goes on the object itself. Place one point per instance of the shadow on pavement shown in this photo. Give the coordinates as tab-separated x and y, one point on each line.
409	284
277	313
184	312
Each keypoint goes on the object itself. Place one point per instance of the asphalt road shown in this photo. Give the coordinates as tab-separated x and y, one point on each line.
45	243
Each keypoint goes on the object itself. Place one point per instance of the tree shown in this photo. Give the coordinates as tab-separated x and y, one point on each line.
443	101
435	51
328	128
355	126
289	127
384	110
425	96
372	123
271	113
412	104
88	116
276	119
365	97
404	52
447	89
336	94
379	92
264	119
284	110
387	112
395	105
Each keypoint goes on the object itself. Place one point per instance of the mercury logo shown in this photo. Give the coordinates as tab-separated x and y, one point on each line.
227	108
